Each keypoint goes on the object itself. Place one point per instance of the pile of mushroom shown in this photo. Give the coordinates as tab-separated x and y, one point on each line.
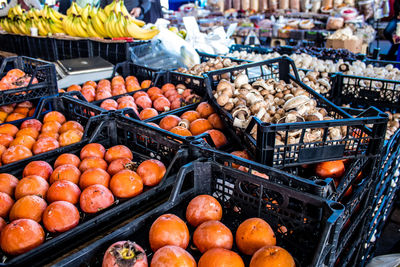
211	65
319	81
393	124
275	102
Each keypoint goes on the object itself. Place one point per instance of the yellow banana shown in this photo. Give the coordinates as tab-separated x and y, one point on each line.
53	16
138	22
85	13
10	13
91	31
36	13
66	25
46	25
18	10
28	26
41	29
103	17
55	29
57	14
108	26
77	8
122	26
5	25
83	23
117	7
98	25
138	33
108	8
13	28
114	25
72	9
21	27
44	12
80	31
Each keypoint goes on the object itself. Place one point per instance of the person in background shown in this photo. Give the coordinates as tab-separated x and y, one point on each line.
25	4
136	8
82	3
64	5
154	13
391	28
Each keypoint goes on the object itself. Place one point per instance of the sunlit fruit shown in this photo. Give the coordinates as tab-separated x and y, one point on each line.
212	234
93	150
8	183
126	184
54	116
31	185
118	165
199	126
95	198
66	158
6	202
118	152
40	168
220	257
65	191
92	162
169	122
151	171
203	208
330	169
205	110
60	216
94	176
45	144
272	256
172	256
66	172
28	207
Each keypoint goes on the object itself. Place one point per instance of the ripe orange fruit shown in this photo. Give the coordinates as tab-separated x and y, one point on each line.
60	216
15	117
126	184
218	138
74	87
15	153
172	256
67	158
180	130
253	234
23	140
93	150
8	183
199	126
20	236
168	86
147	113
203	208
273	256
6	139
95	198
31	185
212	234
45	144
32	132
168	229
9	129
92	162
63	190
51	126
330	169
240	154
71	125
169	122
118	165
6	202
220	257
28	207
49	134
94	176
190	115
70	137
54	116
32	123
40	168
205	110
151	171
118	152
66	172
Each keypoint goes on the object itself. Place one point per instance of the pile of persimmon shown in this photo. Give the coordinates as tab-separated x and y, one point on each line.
169	238
150	103
47	198
16	78
93	91
15	112
34	137
195	122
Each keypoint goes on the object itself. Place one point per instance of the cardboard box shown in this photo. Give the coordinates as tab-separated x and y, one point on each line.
353	45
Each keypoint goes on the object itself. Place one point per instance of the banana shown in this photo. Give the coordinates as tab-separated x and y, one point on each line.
81	32
46	25
5	25
36	13
117	7
72	10
108	26
10	13
91	31
109	8
98	25
18	10
122	25
102	15
41	28
21	27
66	25
114	25
28	26
85	13
53	16
54	28
13	28
83	23
44	12
138	33
77	8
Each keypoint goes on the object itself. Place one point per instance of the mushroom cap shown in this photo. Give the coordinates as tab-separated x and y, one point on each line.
296	101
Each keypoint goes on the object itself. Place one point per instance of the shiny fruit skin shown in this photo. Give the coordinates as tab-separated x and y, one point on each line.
71	125
220	257
66	172
8	183
121	252
147	113
92	162
9	129
45	144
330	169
51	126
199	126
32	132
94	176
20	236
203	208
168	229
172	256
118	152
15	153
118	165
219	139
60	216
240	154
169	122
40	168
31	185
63	190
180	130
95	198
253	234
212	234
2	224
70	137
6	139
54	116
272	256
67	159
93	150
216	121
205	110
126	184
28	207
6	203
23	140
151	171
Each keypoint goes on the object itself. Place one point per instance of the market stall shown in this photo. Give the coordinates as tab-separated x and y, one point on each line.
175	144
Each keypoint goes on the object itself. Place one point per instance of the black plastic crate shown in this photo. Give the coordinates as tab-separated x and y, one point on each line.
7	43
313	220
112	131
41	47
250	49
72	109
68	48
112	51
43	71
35	103
357	139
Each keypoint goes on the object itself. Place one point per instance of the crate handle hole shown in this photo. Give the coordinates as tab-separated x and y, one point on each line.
336	206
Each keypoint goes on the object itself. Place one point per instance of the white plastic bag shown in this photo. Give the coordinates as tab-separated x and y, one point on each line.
391	260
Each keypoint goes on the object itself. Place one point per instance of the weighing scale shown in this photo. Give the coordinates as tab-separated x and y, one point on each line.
79	70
